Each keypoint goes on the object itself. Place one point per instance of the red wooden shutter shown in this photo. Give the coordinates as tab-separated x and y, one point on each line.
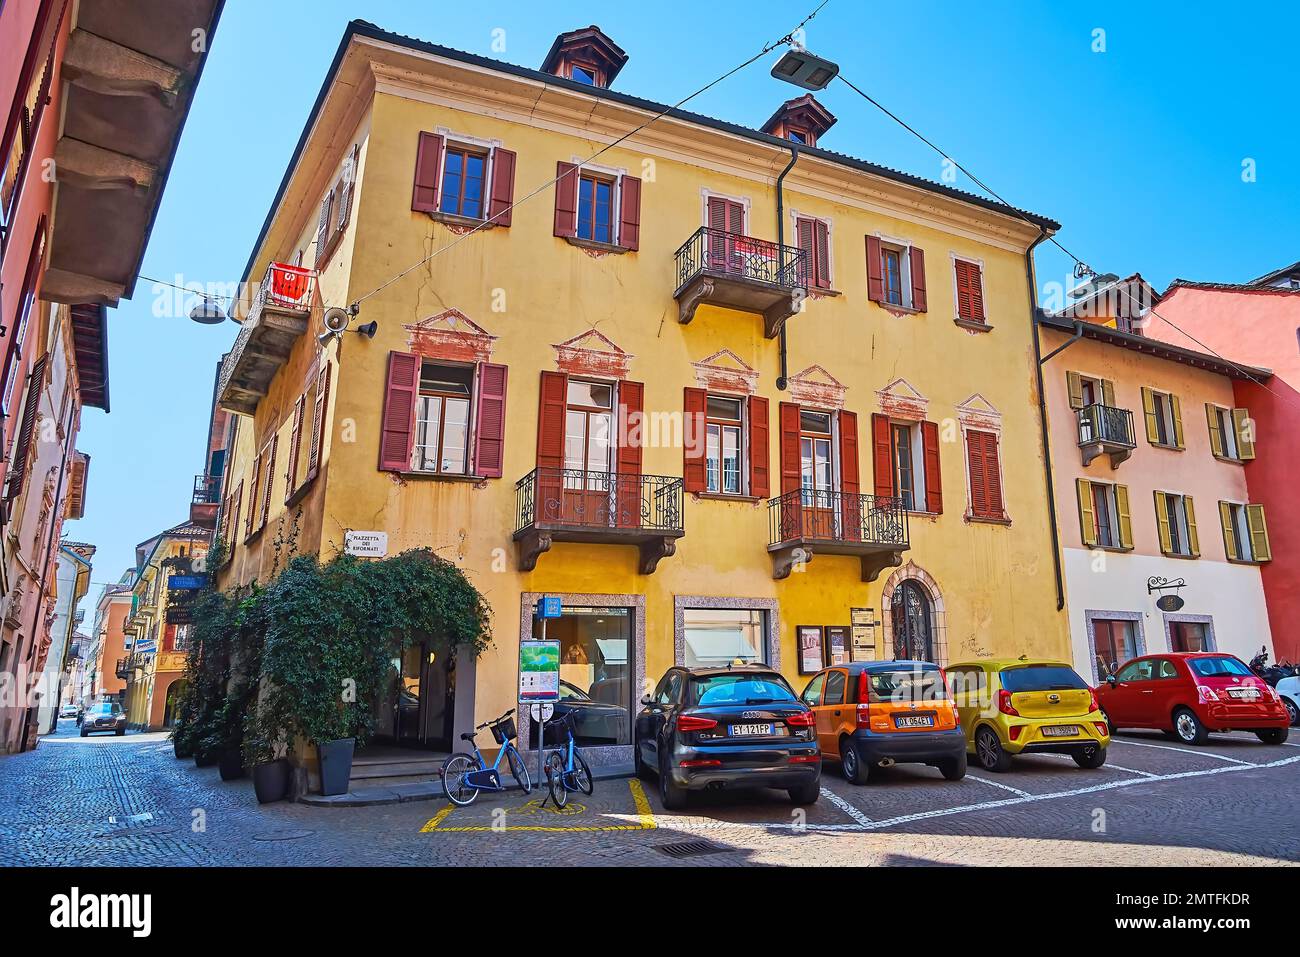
760	481
875	270
490	445
254	484
791	470
933	479
400	392
917	255
717	213
323	227
803	231
822	245
850	487
970	292
26	429
428	156
975	466
992	475
629	227
566	200
627	497
319	411
295	440
550	420
503	186
269	481
695	439
976	294
882	456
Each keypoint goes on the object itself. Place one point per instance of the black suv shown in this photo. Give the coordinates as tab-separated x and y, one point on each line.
739	726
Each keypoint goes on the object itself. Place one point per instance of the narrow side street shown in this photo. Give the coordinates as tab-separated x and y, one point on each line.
126	801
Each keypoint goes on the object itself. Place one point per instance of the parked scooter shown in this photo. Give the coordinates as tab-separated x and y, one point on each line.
1272	674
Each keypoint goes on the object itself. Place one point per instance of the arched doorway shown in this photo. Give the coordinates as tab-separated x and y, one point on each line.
172	702
912	614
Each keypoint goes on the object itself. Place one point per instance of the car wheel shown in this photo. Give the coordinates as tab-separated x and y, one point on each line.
642	769
851	763
121	731
1292	711
1090	757
1188	727
954	769
806	793
84	732
1110	725
989	751
1273	735
671	795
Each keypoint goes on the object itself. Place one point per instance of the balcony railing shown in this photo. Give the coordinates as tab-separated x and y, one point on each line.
207	488
1104	430
572	505
805	521
277	318
739	272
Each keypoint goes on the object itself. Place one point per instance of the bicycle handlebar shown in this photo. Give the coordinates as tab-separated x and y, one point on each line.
488	724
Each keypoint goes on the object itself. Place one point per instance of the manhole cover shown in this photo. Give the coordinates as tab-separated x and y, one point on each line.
691	848
288	835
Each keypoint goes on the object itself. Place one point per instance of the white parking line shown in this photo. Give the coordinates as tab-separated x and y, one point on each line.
998	784
846	807
1168	747
1111	766
1013	801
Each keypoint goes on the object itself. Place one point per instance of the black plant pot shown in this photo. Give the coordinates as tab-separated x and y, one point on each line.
271	781
335	765
182	750
205	759
231	765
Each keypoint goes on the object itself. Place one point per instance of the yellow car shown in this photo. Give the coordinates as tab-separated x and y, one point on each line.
1011	706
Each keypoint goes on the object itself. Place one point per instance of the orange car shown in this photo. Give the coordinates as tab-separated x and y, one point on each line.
873	714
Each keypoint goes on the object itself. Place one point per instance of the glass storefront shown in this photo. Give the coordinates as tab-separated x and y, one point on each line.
597	677
717	636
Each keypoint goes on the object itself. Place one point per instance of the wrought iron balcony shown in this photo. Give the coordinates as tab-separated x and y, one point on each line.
276	319
123	668
204	504
571	505
804	522
739	272
1104	430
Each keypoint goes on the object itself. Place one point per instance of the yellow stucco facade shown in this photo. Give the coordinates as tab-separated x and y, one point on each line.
991	583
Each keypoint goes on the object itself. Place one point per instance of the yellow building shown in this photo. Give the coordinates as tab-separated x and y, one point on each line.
157	626
723	391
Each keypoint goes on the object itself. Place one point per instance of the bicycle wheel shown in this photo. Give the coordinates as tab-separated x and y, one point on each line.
453	774
582	774
555	779
519	769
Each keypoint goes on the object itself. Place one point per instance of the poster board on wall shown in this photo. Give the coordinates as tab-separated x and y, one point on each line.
810	648
837	644
862	622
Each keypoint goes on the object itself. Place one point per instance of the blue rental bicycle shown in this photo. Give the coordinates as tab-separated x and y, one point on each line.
566	769
465	775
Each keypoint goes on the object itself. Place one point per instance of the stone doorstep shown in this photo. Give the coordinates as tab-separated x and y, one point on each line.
427	790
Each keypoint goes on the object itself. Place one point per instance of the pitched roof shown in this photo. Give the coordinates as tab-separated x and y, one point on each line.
1275	274
1252	286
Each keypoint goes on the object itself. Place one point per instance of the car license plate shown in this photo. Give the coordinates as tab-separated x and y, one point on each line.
914	721
1060	730
1247	693
741	730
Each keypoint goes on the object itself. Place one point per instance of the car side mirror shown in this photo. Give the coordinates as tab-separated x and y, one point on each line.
645	699
1112	680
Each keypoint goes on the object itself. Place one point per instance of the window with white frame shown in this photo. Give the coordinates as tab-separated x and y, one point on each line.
442	419
907	454
724	445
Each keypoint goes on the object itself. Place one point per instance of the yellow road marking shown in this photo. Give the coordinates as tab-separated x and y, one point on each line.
645	819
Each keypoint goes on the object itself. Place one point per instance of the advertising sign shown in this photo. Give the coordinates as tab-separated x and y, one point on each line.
365	544
810	649
180	615
837	644
539	670
187	582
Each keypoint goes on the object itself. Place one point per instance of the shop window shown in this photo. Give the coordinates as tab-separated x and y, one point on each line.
719	636
1114	643
596	671
1188	636
442	419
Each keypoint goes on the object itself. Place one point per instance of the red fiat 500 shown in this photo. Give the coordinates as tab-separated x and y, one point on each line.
1190	695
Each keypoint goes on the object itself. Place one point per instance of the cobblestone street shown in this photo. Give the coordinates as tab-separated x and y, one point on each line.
128	801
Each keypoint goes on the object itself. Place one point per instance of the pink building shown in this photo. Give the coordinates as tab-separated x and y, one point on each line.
1257	323
1150	448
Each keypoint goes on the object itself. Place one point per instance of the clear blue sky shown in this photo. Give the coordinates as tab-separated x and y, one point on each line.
1137	151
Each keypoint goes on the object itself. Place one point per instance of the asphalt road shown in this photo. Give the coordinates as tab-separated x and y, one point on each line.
128	801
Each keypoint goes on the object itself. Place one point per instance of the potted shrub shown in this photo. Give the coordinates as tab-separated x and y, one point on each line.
264	752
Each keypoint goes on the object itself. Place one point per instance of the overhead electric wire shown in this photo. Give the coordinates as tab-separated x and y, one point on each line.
1086	269
768	48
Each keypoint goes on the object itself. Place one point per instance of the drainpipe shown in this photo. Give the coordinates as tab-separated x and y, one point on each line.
1031	276
781	379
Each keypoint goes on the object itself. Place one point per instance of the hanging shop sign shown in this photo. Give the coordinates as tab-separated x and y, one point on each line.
539	670
365	544
1169	603
810	649
1169	599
